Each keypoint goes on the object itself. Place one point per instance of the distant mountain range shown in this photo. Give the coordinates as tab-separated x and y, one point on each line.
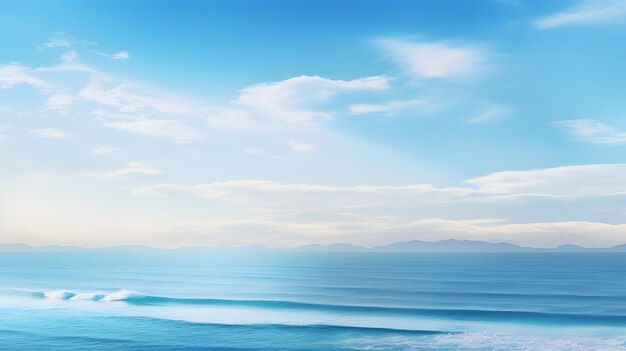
450	245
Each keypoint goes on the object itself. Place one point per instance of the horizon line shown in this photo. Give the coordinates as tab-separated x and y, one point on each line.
261	246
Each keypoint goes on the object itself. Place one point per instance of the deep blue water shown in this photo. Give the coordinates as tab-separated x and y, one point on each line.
312	301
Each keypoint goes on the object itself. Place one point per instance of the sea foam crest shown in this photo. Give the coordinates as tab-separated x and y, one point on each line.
121	295
89	296
481	341
59	295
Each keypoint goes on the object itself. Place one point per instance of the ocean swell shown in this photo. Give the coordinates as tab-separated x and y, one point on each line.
120	295
139	299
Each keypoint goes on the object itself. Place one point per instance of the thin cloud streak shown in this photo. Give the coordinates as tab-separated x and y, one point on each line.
592	131
588	12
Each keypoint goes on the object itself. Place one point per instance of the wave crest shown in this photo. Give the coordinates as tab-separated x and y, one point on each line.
120	295
59	295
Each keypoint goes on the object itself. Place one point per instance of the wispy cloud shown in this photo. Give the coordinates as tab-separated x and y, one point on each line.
262	152
290	100
59	41
388	107
14	74
257	151
168	129
378	214
490	114
130	97
69	56
60	101
50	133
381	230
121	55
63	41
588	12
298	146
260	108
592	131
566	181
131	169
434	60
595	180
309	197
104	150
303	213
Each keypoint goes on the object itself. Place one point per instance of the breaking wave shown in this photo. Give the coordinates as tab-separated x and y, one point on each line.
121	295
137	298
68	295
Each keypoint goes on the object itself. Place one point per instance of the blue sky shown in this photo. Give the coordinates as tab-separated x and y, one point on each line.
285	123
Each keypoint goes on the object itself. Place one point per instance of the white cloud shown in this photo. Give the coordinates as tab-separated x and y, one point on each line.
434	60
121	55
554	183
588	12
567	181
290	100
168	129
285	197
265	107
387	108
490	114
103	150
298	146
228	119
260	151
372	231
132	98
57	42
50	133
70	56
255	151
14	74
126	97
60	101
131	169
592	131
150	111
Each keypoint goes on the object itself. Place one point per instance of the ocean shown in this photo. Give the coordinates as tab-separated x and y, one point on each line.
184	300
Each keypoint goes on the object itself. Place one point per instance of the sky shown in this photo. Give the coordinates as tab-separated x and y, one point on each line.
283	123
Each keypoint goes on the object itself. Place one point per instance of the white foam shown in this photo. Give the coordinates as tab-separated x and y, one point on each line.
67	295
481	341
59	294
484	341
89	296
123	295
466	335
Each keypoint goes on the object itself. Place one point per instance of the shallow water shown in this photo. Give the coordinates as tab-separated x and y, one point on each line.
312	301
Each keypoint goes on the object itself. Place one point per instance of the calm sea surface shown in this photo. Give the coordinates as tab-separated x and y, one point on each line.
312	301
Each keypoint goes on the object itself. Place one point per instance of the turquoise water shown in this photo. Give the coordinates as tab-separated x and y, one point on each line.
312	301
